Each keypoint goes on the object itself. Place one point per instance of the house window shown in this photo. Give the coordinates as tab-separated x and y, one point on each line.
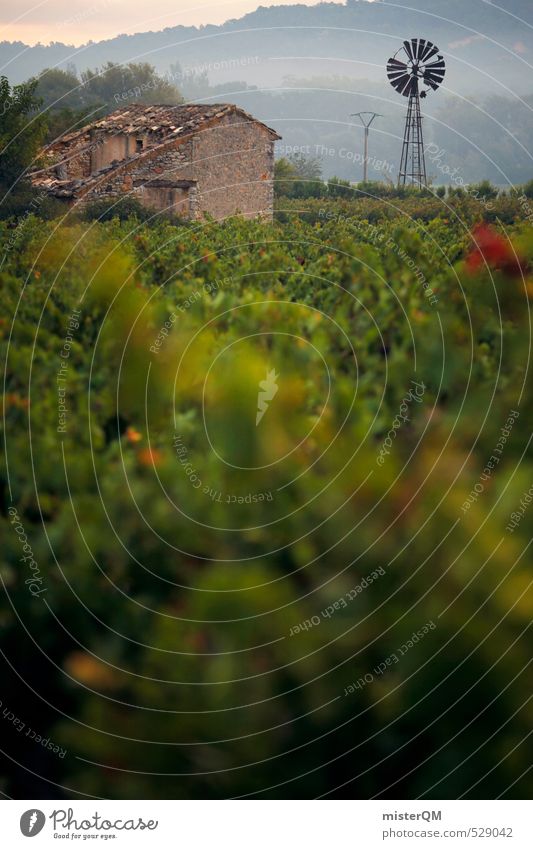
139	145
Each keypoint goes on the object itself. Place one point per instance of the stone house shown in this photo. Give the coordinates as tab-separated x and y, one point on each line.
186	160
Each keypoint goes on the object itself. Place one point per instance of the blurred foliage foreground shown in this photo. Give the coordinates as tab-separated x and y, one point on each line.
331	601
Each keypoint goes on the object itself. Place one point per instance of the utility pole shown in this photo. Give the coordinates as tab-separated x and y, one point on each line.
366	119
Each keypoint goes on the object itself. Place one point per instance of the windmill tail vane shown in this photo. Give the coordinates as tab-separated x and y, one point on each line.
414	70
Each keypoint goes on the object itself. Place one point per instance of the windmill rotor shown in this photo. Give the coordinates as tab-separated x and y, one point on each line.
416	68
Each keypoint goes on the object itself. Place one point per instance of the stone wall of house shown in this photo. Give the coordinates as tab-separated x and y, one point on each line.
75	161
172	164
105	150
233	164
166	199
109	147
91	152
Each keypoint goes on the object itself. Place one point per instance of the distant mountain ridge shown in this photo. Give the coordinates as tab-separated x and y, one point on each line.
485	44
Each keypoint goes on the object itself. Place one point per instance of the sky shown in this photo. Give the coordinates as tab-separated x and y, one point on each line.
78	21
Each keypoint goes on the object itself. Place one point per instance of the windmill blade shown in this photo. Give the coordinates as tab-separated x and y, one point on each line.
394	75
434	77
396	69
395	63
401	83
422	48
429	51
408	49
434	74
436	70
433	82
439	63
412	88
393	78
398	74
407	86
415	48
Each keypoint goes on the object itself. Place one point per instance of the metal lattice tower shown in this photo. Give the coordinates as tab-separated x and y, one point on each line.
417	67
413	163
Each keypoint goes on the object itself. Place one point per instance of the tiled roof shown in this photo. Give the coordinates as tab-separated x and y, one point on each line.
162	121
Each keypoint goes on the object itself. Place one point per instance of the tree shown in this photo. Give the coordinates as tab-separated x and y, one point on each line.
59	89
528	189
307	168
22	131
107	87
484	190
338	188
66	103
298	177
137	82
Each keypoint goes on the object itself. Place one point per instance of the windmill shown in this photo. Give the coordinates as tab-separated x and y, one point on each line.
414	69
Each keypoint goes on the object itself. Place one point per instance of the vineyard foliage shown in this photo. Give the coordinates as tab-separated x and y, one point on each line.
180	546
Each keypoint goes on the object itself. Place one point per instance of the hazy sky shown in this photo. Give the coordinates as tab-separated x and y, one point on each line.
78	21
